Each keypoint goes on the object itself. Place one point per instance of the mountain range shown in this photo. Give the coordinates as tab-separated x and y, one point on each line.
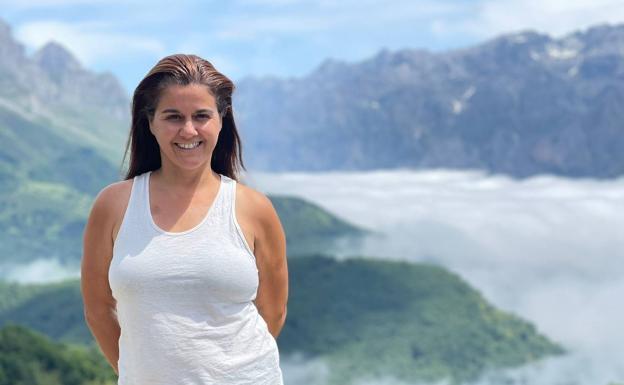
520	104
52	90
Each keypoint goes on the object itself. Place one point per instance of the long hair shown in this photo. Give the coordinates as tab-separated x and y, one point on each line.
180	69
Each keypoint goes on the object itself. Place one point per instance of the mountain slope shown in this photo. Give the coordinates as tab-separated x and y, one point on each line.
311	229
373	318
52	89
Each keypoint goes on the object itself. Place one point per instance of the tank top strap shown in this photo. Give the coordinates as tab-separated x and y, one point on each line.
228	197
133	221
229	205
141	203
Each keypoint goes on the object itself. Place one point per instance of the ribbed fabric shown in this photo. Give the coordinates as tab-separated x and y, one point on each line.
184	299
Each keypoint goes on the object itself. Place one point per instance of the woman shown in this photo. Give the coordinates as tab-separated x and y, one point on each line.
173	291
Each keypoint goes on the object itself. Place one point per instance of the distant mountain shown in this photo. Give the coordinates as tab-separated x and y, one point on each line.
520	104
53	91
366	318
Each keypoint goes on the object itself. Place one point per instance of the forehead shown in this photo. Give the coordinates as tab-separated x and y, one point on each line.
191	96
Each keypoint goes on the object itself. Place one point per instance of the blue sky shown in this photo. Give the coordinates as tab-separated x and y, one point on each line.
280	37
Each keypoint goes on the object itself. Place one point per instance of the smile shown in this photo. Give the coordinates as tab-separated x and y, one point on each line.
188	146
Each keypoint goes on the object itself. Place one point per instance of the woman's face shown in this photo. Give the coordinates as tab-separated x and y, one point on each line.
186	116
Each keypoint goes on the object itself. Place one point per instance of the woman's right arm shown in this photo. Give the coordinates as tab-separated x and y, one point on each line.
99	304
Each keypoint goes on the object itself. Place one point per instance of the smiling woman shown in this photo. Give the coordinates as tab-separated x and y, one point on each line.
184	274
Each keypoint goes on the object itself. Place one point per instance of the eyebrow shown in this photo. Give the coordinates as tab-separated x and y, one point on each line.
176	111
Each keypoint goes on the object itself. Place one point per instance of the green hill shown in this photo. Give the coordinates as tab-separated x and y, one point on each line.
311	229
37	306
46	186
30	358
41	219
365	317
412	321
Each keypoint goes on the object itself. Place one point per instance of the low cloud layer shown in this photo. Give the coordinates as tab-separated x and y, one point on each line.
42	270
546	248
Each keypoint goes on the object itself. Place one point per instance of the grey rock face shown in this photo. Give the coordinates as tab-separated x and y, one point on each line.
53	79
520	104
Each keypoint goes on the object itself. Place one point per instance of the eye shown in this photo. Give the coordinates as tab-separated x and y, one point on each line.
202	116
173	117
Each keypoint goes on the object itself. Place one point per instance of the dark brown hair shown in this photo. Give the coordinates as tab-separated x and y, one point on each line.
182	69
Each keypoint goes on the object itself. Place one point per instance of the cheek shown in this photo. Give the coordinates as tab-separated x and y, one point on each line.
162	138
212	129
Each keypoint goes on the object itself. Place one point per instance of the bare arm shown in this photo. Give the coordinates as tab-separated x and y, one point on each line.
99	304
270	252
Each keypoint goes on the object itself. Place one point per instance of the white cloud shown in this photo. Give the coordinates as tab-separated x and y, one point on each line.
88	41
554	17
326	16
38	271
446	19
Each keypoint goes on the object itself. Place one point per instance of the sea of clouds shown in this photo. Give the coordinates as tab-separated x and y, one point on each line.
547	248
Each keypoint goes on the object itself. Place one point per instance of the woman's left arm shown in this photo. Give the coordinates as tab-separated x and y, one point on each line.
270	252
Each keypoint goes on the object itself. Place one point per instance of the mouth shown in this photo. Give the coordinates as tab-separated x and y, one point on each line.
189	146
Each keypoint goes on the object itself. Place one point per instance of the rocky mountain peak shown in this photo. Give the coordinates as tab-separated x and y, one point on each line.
10	51
56	61
53	77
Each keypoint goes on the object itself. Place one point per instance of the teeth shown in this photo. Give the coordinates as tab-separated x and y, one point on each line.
188	145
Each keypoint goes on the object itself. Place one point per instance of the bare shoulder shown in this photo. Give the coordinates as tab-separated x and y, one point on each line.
111	203
254	204
258	216
120	195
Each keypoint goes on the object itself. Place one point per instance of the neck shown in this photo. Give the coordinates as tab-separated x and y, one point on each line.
186	180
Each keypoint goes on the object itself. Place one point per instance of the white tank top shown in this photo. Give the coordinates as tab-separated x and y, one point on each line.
184	299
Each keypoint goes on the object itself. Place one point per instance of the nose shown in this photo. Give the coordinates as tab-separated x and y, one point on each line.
188	129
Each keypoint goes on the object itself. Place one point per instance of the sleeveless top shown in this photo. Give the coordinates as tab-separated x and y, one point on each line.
184	299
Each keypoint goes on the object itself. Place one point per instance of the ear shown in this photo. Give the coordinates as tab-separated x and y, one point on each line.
149	125
221	116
